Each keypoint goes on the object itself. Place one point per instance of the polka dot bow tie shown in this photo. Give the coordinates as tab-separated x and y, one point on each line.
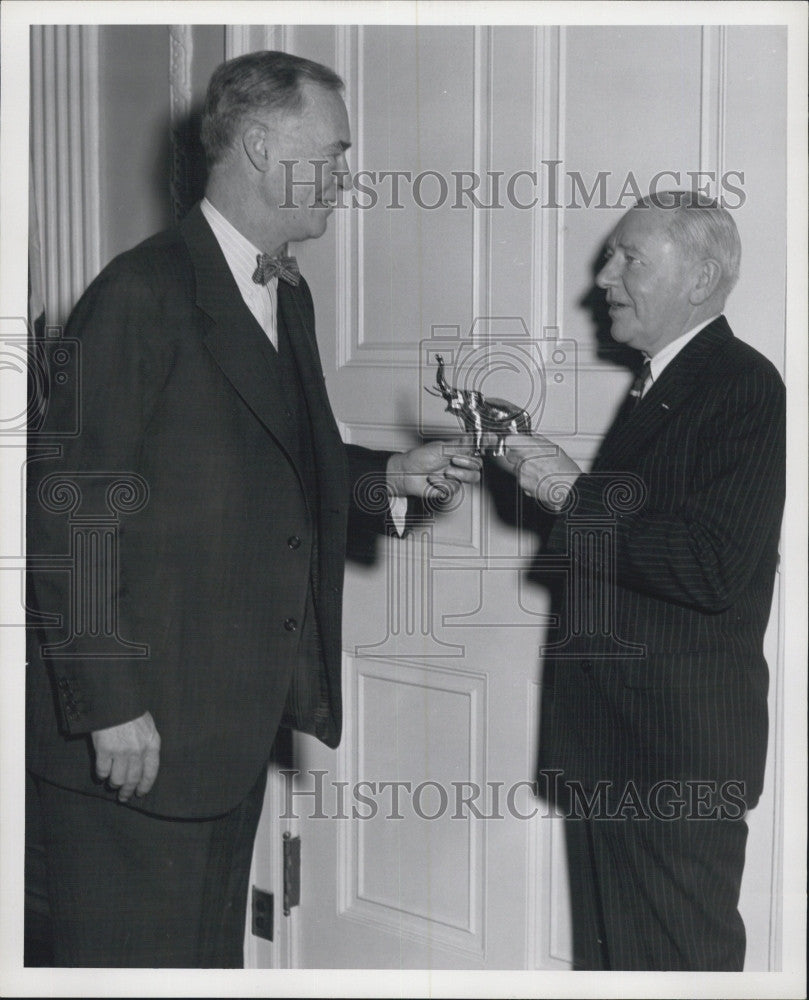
285	268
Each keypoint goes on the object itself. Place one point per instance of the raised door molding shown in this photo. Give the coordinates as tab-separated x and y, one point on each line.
418	707
713	85
547	251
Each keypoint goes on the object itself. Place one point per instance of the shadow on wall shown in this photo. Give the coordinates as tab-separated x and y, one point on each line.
181	151
595	302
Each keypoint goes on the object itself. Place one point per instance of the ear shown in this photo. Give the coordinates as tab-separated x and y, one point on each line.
256	142
708	276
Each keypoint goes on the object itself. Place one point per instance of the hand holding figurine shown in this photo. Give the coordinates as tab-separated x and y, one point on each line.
542	468
439	466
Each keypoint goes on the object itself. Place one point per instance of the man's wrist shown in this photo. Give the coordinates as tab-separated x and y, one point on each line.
394	476
551	489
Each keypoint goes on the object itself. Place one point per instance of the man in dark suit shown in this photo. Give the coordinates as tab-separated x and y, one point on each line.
187	546
654	712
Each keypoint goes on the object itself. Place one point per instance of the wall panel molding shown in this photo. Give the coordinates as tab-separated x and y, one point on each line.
547	919
354	350
481	162
65	160
464	933
713	89
243	38
349	287
547	248
776	755
237	40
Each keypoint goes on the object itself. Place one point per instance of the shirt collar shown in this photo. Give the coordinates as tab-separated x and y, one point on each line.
239	252
670	351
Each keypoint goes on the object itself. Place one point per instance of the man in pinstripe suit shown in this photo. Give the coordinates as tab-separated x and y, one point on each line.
654	714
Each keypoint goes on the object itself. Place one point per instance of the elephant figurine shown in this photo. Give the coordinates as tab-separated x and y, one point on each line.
479	415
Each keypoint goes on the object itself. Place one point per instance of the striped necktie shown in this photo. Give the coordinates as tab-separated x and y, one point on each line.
636	392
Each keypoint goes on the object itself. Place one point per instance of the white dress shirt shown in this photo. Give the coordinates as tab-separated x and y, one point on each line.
240	254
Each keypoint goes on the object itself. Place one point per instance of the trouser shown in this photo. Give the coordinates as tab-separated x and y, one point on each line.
655	894
131	890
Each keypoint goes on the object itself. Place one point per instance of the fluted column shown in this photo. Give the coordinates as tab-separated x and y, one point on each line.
65	162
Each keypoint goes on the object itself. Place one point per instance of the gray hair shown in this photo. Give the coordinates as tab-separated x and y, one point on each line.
258	81
700	225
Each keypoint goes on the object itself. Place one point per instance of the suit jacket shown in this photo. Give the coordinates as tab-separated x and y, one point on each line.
657	672
204	548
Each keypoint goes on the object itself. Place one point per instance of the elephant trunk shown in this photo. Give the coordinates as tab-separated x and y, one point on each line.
440	381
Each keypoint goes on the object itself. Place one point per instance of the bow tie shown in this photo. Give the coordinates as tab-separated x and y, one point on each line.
285	268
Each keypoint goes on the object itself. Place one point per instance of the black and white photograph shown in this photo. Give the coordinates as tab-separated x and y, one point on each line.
403	436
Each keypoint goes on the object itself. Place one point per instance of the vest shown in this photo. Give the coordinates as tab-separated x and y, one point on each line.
307	707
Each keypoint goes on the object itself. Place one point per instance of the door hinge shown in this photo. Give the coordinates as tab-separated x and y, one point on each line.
292	872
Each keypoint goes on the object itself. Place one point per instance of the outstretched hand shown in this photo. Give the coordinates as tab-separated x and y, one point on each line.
542	468
438	469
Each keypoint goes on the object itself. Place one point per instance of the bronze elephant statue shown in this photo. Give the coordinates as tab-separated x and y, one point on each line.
480	416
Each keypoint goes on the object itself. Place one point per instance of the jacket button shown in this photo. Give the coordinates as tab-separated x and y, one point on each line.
586	666
293	541
290	624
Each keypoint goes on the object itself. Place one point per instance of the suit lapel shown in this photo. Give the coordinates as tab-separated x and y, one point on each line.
698	362
238	344
327	443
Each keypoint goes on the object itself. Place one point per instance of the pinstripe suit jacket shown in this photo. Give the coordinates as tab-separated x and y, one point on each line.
658	672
